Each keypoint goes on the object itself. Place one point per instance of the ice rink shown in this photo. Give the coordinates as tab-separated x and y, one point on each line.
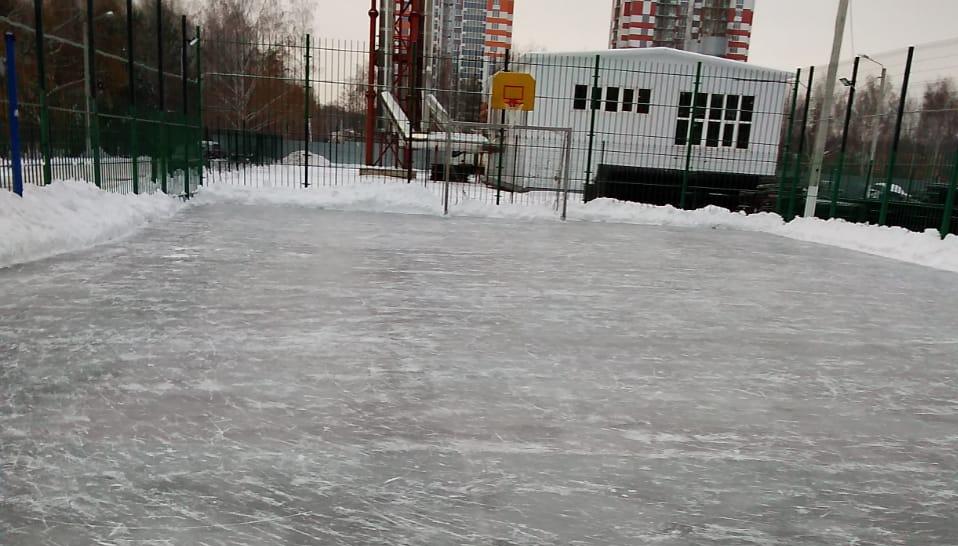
251	375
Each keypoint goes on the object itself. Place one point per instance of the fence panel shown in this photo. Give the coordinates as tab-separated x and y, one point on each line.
89	101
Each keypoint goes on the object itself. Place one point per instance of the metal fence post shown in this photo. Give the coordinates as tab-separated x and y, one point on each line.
14	112
886	194
837	182
565	173
949	211
199	106
307	129
161	90
184	45
786	158
448	169
793	191
42	92
502	142
94	110
688	136
594	103
131	78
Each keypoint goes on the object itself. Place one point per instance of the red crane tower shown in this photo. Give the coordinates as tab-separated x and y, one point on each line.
402	48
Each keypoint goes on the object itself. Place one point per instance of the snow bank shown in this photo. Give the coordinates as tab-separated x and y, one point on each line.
299	157
925	249
395	198
70	216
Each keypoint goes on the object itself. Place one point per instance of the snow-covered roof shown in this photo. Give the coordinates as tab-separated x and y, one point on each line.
657	54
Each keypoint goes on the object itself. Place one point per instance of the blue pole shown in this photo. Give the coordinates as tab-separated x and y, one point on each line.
14	115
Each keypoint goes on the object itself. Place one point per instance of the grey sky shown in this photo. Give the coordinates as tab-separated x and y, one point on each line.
787	33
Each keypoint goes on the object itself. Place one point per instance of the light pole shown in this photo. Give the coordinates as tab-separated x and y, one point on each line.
87	97
831	79
879	107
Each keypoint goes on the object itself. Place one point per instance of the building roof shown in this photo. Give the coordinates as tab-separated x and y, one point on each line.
657	54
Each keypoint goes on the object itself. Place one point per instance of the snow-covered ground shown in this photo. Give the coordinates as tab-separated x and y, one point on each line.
343	189
70	216
248	375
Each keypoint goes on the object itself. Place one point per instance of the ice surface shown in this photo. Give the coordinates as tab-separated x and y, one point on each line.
250	375
354	193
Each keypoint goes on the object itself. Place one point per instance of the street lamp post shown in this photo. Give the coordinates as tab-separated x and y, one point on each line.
876	133
88	99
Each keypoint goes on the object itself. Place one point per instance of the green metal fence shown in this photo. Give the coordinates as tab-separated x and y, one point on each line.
292	112
892	142
89	105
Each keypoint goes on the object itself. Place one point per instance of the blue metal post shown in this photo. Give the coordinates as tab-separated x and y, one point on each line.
17	163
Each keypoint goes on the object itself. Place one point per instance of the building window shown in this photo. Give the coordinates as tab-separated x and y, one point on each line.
612	99
731	108
685	105
712	138
744	133
728	135
645	101
724	120
581	94
628	99
748	107
682	132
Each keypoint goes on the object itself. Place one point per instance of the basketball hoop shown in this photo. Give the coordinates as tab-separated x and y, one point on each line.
514	103
513	91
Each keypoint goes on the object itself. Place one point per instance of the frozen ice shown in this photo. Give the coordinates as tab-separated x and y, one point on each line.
261	374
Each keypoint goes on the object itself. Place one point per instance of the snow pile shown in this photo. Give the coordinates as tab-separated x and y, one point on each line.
69	216
395	198
299	158
925	249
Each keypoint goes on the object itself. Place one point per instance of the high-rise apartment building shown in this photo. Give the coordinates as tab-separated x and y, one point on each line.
462	43
471	35
722	28
463	39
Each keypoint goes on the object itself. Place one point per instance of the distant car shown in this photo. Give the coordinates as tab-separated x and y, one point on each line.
897	192
212	150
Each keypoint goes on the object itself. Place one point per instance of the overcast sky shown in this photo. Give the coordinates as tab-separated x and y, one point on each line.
787	33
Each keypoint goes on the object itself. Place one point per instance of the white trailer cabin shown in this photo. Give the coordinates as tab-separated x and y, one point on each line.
635	113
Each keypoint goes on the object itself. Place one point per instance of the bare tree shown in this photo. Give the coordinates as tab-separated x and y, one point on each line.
254	48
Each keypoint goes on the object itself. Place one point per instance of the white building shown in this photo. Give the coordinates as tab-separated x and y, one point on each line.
645	108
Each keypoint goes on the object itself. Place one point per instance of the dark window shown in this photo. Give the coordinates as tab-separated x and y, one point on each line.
581	93
685	105
731	108
748	106
744	133
682	132
628	98
596	98
718	103
701	103
728	135
715	130
645	101
697	127
612	99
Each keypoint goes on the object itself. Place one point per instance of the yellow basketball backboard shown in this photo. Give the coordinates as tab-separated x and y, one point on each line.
513	91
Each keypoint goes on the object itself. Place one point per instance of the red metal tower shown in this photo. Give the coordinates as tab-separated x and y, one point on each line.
403	49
